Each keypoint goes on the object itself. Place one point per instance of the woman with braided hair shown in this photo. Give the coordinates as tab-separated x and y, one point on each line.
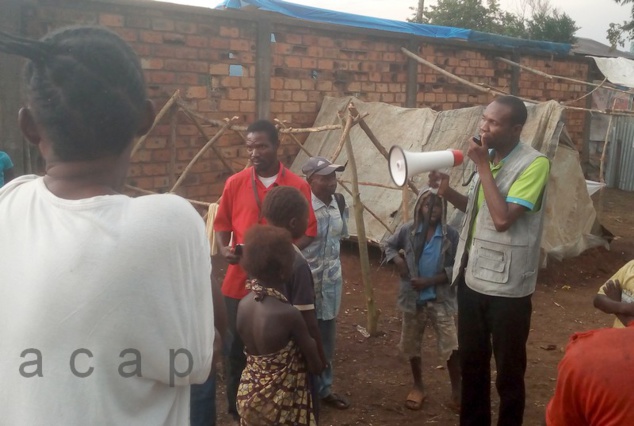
105	300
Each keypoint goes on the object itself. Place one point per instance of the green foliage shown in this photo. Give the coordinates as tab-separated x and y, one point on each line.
552	27
618	34
545	24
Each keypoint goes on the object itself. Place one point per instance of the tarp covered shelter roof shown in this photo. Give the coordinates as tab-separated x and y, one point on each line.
424	30
617	70
570	214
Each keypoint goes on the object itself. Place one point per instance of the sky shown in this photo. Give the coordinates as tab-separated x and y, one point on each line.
593	16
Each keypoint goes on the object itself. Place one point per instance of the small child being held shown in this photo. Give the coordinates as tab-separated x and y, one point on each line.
425	295
274	388
617	294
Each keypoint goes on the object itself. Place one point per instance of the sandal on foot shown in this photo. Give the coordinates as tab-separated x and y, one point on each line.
336	401
415	399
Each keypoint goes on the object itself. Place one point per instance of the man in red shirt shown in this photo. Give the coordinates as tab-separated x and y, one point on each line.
594	380
240	208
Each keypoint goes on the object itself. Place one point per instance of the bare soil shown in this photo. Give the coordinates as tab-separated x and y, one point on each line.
376	378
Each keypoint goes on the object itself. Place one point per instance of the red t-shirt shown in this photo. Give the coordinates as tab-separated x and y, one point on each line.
595	379
239	210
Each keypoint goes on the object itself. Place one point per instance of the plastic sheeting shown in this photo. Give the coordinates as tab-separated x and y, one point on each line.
617	70
570	214
424	30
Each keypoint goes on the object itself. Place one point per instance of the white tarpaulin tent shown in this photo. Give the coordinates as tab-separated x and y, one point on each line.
570	215
616	70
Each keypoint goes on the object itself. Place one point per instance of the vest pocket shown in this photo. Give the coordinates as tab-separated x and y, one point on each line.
490	263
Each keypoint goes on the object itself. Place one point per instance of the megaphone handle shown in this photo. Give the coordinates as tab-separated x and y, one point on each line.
444	171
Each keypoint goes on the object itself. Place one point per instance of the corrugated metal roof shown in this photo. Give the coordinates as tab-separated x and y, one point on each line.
620	173
587	46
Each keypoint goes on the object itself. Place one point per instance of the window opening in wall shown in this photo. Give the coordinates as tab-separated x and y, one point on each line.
236	70
273	38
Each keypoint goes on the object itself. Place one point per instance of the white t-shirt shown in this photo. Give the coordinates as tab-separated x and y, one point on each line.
267	181
98	289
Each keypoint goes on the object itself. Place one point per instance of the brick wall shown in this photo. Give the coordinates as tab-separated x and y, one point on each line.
211	57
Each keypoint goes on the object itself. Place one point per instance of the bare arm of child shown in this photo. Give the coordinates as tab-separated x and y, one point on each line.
611	303
421	283
306	343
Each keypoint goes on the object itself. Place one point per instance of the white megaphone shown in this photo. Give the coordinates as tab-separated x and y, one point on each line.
405	164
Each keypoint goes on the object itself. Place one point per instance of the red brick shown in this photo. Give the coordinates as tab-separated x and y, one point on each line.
300	96
136	21
196	92
232	32
292	84
219	69
160	24
161	77
151	37
196	41
229	106
151	64
111	20
188	78
247	106
127	34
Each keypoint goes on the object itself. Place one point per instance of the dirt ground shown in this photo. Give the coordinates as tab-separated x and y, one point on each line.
376	378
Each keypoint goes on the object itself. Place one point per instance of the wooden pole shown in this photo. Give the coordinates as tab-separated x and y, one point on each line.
168	105
201	152
171	171
341	182
496	92
214	149
346	131
145	191
558	77
373	314
605	147
370	134
367	209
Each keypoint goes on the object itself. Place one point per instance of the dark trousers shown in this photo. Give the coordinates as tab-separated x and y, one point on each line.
202	405
500	324
236	360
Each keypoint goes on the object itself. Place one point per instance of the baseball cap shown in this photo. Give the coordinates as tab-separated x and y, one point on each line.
320	166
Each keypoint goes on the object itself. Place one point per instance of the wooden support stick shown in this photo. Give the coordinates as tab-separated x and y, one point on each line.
375	141
168	105
446	73
341	182
171	172
373	314
213	148
605	146
145	191
200	153
496	92
294	138
287	129
377	185
346	130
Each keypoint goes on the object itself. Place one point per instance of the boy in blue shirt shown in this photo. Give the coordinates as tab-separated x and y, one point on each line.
429	247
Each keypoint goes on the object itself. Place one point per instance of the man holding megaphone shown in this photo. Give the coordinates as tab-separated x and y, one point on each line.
499	252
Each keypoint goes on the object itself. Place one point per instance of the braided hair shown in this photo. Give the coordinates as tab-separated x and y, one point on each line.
282	204
85	87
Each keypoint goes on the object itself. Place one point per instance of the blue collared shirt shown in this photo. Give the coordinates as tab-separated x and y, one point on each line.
323	258
428	263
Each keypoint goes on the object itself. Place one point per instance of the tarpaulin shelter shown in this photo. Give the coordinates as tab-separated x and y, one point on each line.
570	214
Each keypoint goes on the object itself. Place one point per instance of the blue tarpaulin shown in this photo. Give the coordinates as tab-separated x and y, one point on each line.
316	14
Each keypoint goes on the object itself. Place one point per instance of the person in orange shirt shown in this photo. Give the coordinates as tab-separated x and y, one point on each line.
593	380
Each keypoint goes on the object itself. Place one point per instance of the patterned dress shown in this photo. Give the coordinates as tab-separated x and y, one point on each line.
274	388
